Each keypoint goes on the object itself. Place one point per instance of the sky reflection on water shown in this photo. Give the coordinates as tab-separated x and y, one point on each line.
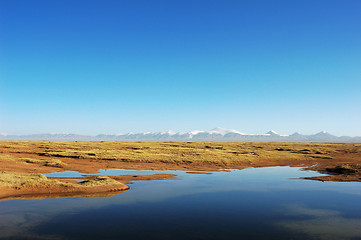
262	203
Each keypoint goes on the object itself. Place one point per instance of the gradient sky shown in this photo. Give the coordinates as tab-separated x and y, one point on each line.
115	66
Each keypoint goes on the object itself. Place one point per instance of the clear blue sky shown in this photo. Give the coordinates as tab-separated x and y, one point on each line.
115	66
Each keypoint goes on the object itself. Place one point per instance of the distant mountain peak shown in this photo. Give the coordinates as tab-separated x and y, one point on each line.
272	132
216	134
194	132
323	133
218	129
223	131
169	132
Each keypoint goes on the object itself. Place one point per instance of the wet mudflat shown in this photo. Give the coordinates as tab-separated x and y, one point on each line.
253	203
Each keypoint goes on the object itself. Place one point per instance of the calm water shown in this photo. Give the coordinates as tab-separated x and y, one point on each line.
263	203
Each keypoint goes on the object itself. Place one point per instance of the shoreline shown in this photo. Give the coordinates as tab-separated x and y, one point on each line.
100	186
23	162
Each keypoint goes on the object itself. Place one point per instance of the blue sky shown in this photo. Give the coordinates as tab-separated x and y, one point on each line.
92	67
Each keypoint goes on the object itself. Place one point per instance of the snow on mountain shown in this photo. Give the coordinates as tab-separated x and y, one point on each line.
223	131
195	132
272	133
169	132
322	133
216	134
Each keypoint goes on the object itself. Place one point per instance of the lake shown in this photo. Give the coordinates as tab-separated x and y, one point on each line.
253	203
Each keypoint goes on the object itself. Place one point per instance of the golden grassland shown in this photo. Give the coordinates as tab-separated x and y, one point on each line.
22	162
176	152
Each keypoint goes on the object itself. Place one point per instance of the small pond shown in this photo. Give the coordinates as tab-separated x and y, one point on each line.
253	203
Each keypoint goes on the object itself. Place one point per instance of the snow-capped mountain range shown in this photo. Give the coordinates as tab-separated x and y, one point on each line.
214	135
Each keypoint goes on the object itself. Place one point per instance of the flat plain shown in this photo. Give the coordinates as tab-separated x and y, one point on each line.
23	163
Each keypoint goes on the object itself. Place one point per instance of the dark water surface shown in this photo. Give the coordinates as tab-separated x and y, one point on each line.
263	203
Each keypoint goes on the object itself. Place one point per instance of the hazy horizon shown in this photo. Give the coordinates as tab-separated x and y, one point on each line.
179	132
106	67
